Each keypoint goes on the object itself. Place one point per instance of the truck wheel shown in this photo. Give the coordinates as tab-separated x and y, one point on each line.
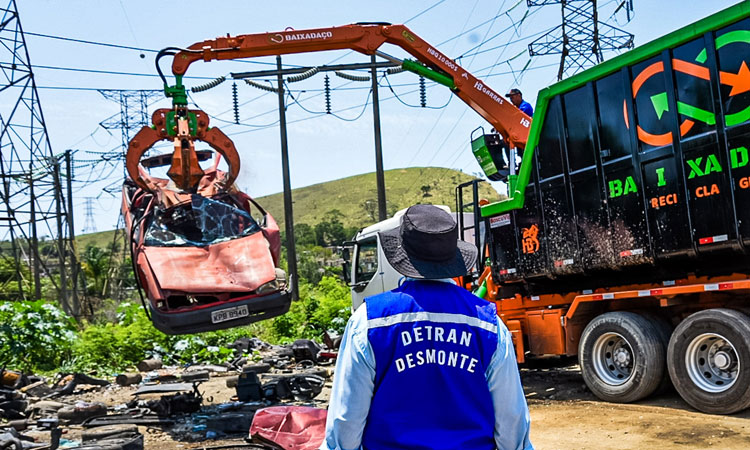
709	360
622	357
664	329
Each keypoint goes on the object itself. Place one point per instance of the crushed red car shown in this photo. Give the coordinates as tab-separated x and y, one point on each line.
207	258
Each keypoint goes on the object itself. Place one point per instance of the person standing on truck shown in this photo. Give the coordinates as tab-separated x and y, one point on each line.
516	97
427	365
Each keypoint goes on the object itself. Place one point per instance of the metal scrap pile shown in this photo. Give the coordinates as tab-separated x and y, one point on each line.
186	404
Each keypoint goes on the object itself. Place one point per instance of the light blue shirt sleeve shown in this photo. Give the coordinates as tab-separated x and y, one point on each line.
353	384
512	422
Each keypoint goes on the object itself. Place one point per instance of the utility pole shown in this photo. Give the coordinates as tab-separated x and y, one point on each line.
291	250
61	249
580	39
72	235
379	175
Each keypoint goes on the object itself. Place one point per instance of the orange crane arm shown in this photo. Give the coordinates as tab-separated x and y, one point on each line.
508	120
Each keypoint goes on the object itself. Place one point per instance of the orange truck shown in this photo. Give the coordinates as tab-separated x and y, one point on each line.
625	237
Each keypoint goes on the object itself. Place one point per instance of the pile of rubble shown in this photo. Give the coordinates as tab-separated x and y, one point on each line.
186	404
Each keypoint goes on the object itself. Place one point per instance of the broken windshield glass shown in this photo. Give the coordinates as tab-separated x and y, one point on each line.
201	222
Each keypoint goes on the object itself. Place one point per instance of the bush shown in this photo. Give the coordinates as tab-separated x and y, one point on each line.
34	336
324	307
38	336
111	347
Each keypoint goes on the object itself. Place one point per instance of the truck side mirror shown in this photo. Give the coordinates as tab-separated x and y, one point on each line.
346	272
345	266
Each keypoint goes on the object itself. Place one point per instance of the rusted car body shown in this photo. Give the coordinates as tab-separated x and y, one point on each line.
206	259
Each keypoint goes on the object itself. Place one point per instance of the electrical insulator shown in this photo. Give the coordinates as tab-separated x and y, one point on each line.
235	104
261	86
327	87
303	76
349	77
209	85
422	93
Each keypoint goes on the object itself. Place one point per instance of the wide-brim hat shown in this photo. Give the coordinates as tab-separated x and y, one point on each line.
426	245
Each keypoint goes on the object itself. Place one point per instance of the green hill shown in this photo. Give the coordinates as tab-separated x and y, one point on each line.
356	198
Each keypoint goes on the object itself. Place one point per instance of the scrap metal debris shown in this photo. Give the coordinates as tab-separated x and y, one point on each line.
171	401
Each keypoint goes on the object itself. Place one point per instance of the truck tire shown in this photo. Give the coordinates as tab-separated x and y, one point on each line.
664	328
622	357
709	361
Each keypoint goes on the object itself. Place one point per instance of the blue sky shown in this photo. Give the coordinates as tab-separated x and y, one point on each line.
491	42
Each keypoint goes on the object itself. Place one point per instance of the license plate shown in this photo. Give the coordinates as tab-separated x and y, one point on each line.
223	315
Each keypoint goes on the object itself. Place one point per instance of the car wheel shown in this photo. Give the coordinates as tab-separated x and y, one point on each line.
621	356
709	361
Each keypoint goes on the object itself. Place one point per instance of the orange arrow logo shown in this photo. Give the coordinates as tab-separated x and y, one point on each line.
739	81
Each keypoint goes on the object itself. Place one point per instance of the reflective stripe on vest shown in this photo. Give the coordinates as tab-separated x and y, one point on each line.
431	317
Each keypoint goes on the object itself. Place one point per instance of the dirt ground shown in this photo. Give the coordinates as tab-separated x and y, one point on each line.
564	415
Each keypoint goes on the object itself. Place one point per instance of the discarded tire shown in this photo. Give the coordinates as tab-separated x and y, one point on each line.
77	414
257	367
132	443
195	375
621	356
709	361
123	431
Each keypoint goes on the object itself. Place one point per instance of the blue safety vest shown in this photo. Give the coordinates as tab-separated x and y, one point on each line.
433	342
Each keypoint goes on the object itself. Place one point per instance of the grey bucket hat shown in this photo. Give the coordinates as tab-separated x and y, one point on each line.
426	245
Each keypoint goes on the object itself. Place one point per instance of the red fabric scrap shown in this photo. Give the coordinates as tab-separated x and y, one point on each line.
292	427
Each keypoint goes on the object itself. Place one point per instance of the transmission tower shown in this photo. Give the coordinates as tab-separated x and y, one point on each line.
132	117
581	38
33	203
90	225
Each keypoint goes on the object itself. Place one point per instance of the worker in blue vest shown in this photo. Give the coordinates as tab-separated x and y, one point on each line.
516	97
428	365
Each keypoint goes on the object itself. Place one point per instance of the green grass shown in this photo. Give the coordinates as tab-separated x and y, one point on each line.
355	197
101	239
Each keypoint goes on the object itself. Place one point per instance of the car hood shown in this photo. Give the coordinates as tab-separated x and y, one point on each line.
239	265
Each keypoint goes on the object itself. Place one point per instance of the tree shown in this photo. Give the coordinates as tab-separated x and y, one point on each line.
304	234
370	207
330	231
96	262
9	278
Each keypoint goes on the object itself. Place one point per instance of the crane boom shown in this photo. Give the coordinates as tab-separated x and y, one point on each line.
508	120
183	126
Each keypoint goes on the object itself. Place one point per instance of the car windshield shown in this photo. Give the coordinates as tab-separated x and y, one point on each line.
201	222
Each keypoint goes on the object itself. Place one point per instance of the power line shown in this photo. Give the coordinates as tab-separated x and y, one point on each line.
83	41
112	72
123	47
